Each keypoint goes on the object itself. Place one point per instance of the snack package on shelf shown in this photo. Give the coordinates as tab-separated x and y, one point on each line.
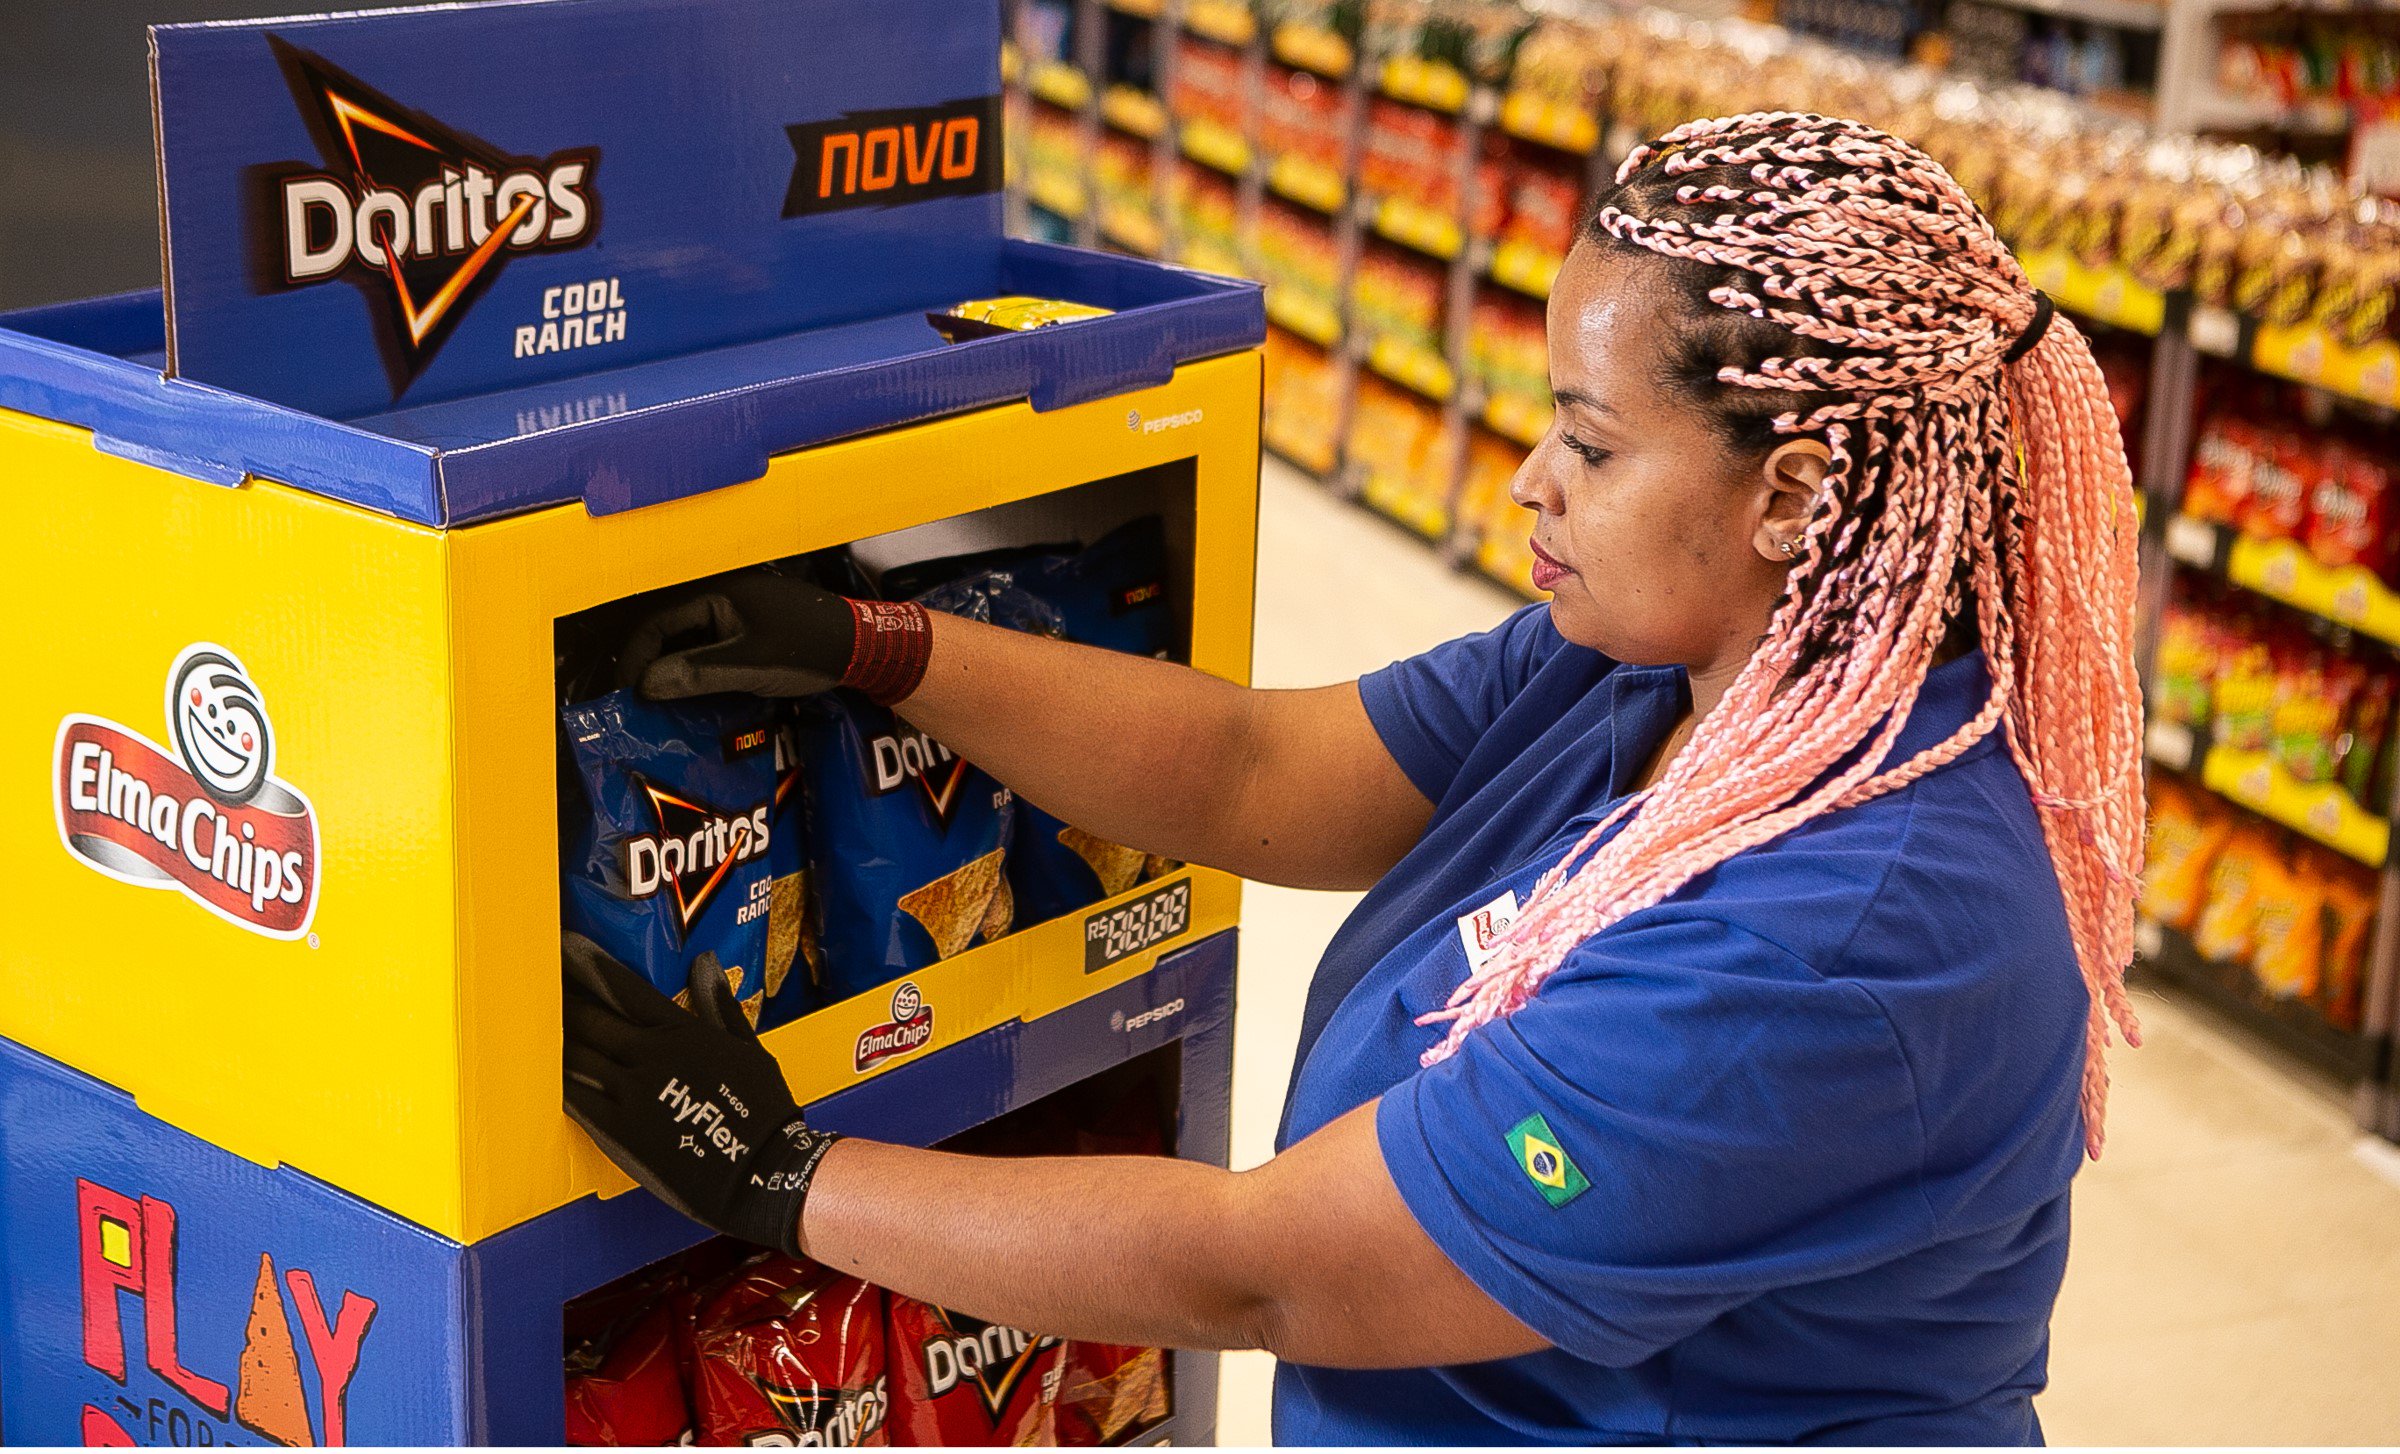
1300	116
2187	830
907	841
1398	440
1399	295
1508	348
686	844
958	1382
1207	212
1502	527
625	1381
1207	84
1303	402
2228	925
1299	256
787	1352
1123	175
1113	594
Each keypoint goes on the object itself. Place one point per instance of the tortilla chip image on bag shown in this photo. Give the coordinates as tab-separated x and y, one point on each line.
674	858
1113	595
906	842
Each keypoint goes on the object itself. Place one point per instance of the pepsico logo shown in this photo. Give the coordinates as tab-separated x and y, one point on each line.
211	820
909	1029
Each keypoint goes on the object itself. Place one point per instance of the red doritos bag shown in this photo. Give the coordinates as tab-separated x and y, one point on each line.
958	1381
786	1352
1107	1390
624	1382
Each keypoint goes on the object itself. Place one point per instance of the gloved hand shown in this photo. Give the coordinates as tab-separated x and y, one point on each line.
777	636
687	1102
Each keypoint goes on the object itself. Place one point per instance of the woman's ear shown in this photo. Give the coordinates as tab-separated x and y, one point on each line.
1792	473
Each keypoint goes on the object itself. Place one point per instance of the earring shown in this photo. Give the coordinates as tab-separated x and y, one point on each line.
1789	548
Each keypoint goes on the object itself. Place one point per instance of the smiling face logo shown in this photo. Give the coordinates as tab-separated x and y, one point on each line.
217	725
203	813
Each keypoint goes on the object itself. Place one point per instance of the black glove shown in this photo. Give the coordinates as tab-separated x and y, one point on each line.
776	636
687	1102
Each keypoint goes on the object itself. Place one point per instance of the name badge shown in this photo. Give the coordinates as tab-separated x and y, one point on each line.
1482	930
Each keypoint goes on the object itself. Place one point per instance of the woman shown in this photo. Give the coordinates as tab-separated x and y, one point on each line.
1813	793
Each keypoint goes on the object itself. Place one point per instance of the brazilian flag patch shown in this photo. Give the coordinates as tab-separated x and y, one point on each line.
1553	1173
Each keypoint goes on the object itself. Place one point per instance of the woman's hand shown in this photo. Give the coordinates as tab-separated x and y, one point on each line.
775	635
687	1102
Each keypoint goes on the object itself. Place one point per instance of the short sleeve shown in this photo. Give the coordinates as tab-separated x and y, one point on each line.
1431	709
1683	1119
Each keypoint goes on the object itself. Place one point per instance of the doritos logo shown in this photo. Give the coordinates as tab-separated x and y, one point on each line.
993	1358
898	758
833	1418
416	213
886	158
693	852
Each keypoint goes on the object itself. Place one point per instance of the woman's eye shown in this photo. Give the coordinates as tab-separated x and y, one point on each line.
1589	453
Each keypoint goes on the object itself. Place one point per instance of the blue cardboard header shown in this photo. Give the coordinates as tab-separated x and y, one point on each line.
370	213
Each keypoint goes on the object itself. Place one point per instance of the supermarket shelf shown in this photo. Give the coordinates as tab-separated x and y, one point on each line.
1061	196
1060	84
1215	146
1419	228
1521	267
2106	295
2303	353
1208	257
1139	9
1313	48
1434	85
1314	457
1309	318
1310	184
1227	22
2322	811
1133	228
2254	780
1516	418
1413	368
1410	509
1547	121
2283	570
2230	991
1134	111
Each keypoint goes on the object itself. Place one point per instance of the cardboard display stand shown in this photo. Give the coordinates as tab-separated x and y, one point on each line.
301	534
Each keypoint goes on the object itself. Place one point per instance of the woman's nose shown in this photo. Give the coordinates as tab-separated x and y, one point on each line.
1531	486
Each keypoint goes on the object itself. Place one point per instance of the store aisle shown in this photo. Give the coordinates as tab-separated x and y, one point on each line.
2235	1277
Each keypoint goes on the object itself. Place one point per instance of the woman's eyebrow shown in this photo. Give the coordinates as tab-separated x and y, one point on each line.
1585	401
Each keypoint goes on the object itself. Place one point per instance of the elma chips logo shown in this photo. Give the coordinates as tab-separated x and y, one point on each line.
419	215
885	158
910	1028
211	820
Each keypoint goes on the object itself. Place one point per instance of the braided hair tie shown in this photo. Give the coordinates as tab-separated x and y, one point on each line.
2040	324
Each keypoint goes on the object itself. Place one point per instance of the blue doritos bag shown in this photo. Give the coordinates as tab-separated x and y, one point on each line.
678	854
1113	595
906	845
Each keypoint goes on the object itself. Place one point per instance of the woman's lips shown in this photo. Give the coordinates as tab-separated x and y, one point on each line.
1547	571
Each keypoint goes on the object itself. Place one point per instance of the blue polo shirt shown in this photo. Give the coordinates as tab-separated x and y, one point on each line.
1782	1159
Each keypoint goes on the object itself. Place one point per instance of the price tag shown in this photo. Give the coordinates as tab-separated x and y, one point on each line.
2217	331
2192	541
1112	935
2170	744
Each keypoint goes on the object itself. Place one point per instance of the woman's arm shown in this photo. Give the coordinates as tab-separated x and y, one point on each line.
1287	787
1312	1256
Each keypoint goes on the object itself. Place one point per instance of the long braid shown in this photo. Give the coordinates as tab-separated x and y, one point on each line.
1861	298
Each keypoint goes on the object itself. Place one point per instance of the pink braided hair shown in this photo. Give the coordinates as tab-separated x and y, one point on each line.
1870	304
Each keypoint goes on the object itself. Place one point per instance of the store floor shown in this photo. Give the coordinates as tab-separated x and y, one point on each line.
2235	1273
